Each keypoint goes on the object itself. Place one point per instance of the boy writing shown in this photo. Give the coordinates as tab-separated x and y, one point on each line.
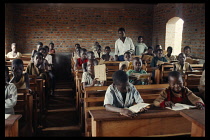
10	94
122	94
177	93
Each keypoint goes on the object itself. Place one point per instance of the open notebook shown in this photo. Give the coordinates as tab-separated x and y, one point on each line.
179	106
137	107
7	116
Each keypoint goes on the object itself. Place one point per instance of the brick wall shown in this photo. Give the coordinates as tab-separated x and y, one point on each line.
66	26
9	27
193	15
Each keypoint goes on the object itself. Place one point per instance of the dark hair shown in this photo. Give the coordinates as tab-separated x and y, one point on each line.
6	69
159	50
181	54
39	54
77	44
90	52
121	29
42	49
46	47
150	48
140	37
169	47
78	47
127	52
51	43
98	46
107	47
119	77
157	46
39	43
83	49
187	47
17	62
137	58
174	74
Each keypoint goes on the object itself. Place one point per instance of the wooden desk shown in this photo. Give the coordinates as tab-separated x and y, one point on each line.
155	122
11	126
197	117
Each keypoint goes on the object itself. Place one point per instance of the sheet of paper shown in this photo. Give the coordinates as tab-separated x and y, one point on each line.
7	116
136	108
100	72
101	61
159	62
179	106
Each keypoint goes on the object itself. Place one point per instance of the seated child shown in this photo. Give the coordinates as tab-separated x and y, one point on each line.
127	64
88	77
149	52
44	53
137	64
52	50
107	56
182	66
76	53
168	56
10	94
98	52
20	79
122	94
187	51
156	49
39	45
82	59
177	93
155	59
14	53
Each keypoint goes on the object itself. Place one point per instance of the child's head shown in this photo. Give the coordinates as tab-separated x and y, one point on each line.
83	53
47	49
96	43
6	75
43	51
137	63
140	39
77	49
38	58
150	50
159	53
17	67
90	55
77	45
98	48
187	50
51	46
158	47
127	56
13	47
39	45
169	50
90	65
121	32
120	80
181	58
107	49
175	81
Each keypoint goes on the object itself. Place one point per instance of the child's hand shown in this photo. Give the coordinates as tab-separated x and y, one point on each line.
199	105
127	113
169	104
145	109
94	81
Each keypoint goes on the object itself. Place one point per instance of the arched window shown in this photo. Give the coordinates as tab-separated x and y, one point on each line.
174	28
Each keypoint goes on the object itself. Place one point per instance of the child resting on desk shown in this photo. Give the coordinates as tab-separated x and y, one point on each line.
10	94
177	93
127	63
137	64
122	94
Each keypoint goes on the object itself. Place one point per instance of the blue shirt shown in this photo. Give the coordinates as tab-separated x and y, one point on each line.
155	59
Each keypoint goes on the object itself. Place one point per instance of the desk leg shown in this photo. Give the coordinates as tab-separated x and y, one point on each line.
12	131
197	131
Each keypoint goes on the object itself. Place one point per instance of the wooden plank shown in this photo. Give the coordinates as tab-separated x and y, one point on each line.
11	125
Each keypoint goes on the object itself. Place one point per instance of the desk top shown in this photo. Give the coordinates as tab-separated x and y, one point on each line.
11	120
196	116
103	115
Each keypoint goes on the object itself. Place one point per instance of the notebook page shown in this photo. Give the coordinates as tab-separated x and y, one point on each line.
137	107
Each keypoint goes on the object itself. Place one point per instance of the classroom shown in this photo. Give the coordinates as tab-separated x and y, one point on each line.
104	70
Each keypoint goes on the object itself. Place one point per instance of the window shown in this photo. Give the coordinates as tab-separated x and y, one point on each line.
174	28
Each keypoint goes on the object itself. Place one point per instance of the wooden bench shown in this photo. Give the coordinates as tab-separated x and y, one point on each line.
192	79
165	69
12	125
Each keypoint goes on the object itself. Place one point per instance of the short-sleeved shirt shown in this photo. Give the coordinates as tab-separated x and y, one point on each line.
80	61
155	59
140	47
114	97
10	55
180	69
121	48
129	72
10	98
86	78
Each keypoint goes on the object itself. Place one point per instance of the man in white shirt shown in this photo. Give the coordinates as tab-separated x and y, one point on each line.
123	44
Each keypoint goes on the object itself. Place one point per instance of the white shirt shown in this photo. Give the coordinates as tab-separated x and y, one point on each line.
49	60
10	98
140	47
121	48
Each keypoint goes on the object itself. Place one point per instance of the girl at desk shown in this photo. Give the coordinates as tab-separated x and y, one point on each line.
177	93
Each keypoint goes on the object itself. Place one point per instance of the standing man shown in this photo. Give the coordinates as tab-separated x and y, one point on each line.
122	45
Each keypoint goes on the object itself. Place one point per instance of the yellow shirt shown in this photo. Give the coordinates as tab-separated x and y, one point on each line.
129	65
180	69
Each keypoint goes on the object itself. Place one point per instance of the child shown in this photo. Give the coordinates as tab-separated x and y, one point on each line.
122	94
94	46
76	53
98	52
52	50
10	94
82	59
39	45
14	53
156	48
88	77
187	51
149	52
168	56
44	53
182	66
127	64
20	79
177	93
137	64
140	46
155	59
107	56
